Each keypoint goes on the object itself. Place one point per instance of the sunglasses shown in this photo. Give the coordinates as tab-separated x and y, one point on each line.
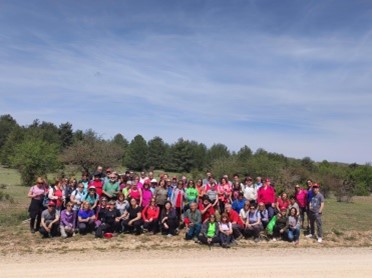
68	206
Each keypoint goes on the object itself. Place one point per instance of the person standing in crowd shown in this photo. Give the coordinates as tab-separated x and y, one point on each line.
121	203
177	199
135	193
293	204
49	221
91	197
258	183
238	204
200	188
301	199
266	195
97	183
36	193
191	194
316	206
282	202
111	187
161	194
224	193
85	181
146	193
250	190
56	194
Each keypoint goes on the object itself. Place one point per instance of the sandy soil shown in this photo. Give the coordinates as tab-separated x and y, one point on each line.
300	262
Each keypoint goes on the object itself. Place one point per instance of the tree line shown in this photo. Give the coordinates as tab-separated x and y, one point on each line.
43	147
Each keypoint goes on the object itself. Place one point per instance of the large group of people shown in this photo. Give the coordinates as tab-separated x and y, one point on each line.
210	211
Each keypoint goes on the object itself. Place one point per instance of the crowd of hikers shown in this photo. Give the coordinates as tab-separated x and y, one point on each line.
211	211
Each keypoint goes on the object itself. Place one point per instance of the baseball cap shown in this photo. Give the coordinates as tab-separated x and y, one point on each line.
154	181
51	204
108	170
267	180
316	185
147	181
92	187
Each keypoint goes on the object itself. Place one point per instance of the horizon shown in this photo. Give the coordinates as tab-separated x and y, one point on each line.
292	78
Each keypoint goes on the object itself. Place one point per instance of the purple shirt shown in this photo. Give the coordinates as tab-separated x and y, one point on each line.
68	218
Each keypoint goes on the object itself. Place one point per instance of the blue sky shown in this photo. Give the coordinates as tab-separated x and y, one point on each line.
292	77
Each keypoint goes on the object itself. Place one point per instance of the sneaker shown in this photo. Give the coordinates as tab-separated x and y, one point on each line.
32	230
309	236
320	240
257	239
169	235
274	239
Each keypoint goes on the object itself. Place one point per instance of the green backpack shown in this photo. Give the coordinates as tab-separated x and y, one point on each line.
270	225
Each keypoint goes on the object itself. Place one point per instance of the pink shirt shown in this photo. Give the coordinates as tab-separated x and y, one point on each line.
266	195
301	198
35	190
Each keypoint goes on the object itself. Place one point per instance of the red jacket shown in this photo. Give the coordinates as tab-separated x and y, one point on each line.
234	218
266	195
150	212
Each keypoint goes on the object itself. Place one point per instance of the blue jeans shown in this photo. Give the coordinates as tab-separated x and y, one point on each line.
193	231
293	235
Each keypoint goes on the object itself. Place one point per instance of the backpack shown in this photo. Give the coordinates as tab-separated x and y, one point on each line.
46	197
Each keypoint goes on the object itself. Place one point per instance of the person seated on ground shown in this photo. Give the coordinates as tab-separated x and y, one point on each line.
36	193
150	216
111	187
132	218
101	208
264	214
293	204
86	219
121	204
109	220
237	223
135	193
282	203
161	194
239	202
293	226
206	208
209	233
253	225
49	221
168	220
91	197
192	219
280	226
146	193
225	231
68	220
243	213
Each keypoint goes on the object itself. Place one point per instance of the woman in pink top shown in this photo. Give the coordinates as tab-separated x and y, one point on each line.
36	193
266	195
135	193
224	193
146	193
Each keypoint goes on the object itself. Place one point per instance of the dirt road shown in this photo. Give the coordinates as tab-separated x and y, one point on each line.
292	262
